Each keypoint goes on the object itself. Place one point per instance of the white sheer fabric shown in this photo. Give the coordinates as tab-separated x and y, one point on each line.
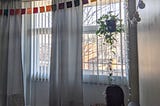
66	74
11	75
26	54
36	42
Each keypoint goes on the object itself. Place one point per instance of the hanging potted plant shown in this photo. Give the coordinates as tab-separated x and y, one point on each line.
109	27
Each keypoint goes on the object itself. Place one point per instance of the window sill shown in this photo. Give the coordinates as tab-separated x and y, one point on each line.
104	80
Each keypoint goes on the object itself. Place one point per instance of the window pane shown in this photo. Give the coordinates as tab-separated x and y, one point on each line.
41	41
96	54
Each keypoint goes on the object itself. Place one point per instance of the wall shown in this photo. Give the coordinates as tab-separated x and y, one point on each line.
92	94
148	47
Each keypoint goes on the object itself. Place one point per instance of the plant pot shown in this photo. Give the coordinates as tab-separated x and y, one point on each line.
111	25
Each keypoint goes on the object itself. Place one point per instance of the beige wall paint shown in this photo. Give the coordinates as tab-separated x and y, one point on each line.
149	54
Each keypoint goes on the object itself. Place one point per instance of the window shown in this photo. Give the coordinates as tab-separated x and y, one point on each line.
42	23
96	55
39	25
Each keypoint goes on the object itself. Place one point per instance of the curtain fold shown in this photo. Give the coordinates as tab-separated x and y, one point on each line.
65	74
26	54
11	75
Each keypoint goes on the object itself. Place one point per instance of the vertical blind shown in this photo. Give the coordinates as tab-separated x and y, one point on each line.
40	32
41	42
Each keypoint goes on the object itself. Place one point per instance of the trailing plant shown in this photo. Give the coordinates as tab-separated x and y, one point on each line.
109	26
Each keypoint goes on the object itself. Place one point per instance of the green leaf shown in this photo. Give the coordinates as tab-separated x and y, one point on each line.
97	32
114	52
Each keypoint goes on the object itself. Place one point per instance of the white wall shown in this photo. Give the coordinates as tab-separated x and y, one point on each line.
149	56
92	94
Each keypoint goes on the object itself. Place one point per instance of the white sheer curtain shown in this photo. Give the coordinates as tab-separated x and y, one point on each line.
26	53
11	75
36	42
66	74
